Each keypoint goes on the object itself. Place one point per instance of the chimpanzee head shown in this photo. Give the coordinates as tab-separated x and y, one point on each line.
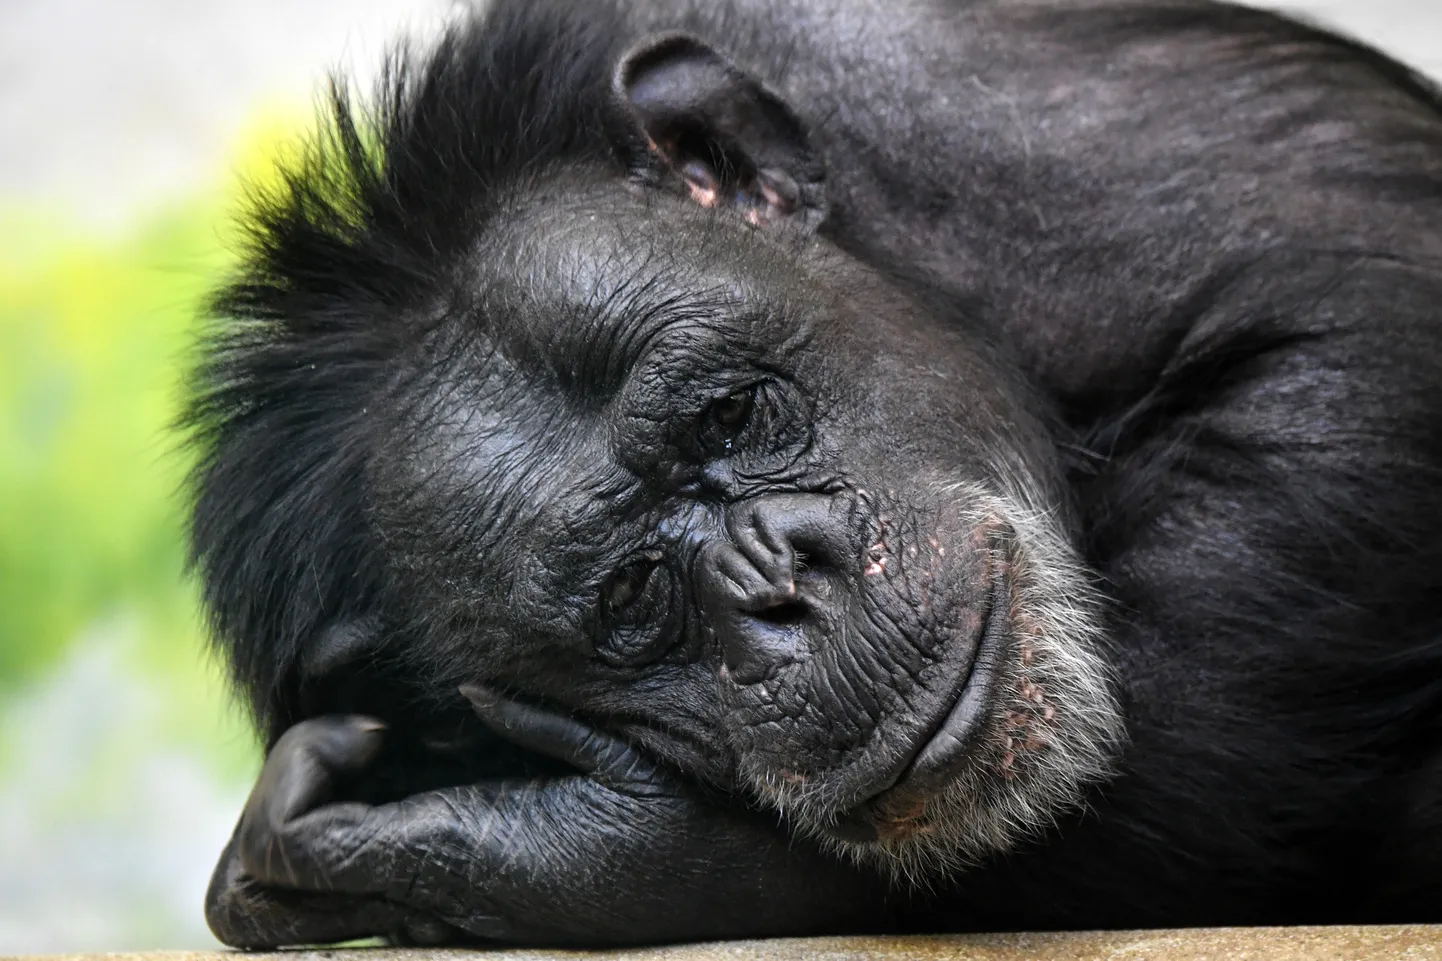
619	428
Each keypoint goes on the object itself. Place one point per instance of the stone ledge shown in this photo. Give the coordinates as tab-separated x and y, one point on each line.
1373	943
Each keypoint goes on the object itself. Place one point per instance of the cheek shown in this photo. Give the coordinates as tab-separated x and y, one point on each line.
900	400
673	710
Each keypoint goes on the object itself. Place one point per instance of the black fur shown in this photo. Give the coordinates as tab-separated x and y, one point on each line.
358	244
1207	239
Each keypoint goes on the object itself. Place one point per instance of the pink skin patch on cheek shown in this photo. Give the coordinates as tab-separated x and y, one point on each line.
877	556
1025	727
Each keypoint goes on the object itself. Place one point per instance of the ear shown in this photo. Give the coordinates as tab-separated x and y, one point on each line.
719	132
340	645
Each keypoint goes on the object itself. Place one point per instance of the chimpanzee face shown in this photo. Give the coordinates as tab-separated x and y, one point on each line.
730	492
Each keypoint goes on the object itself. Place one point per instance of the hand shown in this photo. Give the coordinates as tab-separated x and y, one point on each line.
623	853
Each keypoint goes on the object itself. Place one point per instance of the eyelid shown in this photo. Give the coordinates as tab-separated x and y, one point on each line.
704	422
629	644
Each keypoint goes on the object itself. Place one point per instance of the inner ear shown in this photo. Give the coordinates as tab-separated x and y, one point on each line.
720	132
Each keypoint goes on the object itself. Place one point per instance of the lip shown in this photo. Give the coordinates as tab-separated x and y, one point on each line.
945	748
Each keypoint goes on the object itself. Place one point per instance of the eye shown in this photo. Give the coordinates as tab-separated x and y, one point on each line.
636	594
640	614
725	420
626	588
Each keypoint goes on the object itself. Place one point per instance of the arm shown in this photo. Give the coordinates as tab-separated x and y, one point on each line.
621	853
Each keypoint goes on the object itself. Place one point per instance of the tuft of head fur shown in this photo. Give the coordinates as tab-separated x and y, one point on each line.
351	257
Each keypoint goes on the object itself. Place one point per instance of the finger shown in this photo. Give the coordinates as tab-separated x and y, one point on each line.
392	850
441	855
243	913
300	775
422	932
302	770
434	854
564	738
510	860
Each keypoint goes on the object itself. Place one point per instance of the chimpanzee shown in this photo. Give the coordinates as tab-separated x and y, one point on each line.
708	468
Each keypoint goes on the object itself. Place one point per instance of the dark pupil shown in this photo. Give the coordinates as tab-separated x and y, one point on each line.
731	412
628	585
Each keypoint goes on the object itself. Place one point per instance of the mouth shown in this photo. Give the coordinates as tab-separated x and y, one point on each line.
944	748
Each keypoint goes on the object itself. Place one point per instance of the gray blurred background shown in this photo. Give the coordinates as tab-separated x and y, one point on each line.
122	125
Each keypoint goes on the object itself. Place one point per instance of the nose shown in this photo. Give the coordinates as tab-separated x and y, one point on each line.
761	616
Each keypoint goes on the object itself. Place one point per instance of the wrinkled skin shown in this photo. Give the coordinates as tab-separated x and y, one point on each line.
657	487
482	862
771	564
903	581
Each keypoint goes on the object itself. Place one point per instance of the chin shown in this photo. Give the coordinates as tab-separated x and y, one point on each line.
1029	727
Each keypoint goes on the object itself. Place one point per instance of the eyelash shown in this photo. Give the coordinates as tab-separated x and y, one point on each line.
727	419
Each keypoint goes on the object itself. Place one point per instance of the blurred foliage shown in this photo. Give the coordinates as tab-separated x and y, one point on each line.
96	332
91	337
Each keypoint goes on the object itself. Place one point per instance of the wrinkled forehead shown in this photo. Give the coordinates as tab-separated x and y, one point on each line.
581	288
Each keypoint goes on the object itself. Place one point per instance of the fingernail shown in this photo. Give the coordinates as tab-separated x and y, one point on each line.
477	695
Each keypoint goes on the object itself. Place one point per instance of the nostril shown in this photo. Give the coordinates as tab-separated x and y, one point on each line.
784	614
758	641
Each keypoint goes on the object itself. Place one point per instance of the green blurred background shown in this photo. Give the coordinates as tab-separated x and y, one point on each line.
125	129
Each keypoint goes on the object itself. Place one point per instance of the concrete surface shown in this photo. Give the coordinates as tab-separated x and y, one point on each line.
1392	943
